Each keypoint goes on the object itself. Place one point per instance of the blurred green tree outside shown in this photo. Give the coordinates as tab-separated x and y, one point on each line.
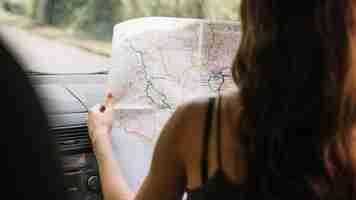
96	18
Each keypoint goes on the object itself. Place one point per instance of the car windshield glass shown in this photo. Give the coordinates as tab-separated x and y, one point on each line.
74	36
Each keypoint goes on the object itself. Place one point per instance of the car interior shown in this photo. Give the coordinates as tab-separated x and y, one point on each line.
71	80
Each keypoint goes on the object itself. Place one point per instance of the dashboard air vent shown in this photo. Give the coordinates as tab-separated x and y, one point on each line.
72	139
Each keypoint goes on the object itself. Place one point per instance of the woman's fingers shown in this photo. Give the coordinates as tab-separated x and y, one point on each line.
99	118
109	102
104	107
96	108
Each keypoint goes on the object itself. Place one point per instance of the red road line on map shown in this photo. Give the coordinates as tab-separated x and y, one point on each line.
139	134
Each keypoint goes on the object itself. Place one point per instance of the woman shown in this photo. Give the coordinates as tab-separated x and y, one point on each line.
285	135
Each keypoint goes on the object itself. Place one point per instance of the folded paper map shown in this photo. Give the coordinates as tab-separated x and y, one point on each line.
157	64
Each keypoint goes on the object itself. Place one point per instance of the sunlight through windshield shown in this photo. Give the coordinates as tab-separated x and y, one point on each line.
74	36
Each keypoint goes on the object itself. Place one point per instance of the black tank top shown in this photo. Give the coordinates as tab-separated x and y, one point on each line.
218	186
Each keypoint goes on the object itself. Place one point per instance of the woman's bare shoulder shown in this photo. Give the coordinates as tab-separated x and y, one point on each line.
191	114
191	125
189	117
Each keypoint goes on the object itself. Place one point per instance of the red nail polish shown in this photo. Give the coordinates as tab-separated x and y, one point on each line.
102	109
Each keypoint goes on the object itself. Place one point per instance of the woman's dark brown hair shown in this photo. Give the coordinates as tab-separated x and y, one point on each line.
291	70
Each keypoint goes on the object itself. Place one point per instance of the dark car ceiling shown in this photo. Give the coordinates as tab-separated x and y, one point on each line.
70	94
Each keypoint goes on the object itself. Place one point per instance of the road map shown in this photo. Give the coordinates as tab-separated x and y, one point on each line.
158	64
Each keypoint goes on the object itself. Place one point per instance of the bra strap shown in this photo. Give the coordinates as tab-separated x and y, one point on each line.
218	135
206	135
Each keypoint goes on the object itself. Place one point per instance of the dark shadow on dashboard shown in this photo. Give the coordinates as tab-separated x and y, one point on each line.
30	165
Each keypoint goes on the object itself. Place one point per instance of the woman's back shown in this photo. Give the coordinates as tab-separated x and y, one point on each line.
211	150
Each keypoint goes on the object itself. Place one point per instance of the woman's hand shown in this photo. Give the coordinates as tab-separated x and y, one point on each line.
100	121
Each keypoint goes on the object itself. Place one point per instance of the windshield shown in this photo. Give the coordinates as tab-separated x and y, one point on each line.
74	36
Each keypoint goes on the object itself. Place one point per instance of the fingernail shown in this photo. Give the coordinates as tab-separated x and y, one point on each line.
102	109
110	95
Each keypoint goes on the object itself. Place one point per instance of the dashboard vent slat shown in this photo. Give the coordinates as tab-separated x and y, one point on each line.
72	139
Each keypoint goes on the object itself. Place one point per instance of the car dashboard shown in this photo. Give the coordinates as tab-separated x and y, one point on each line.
66	99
